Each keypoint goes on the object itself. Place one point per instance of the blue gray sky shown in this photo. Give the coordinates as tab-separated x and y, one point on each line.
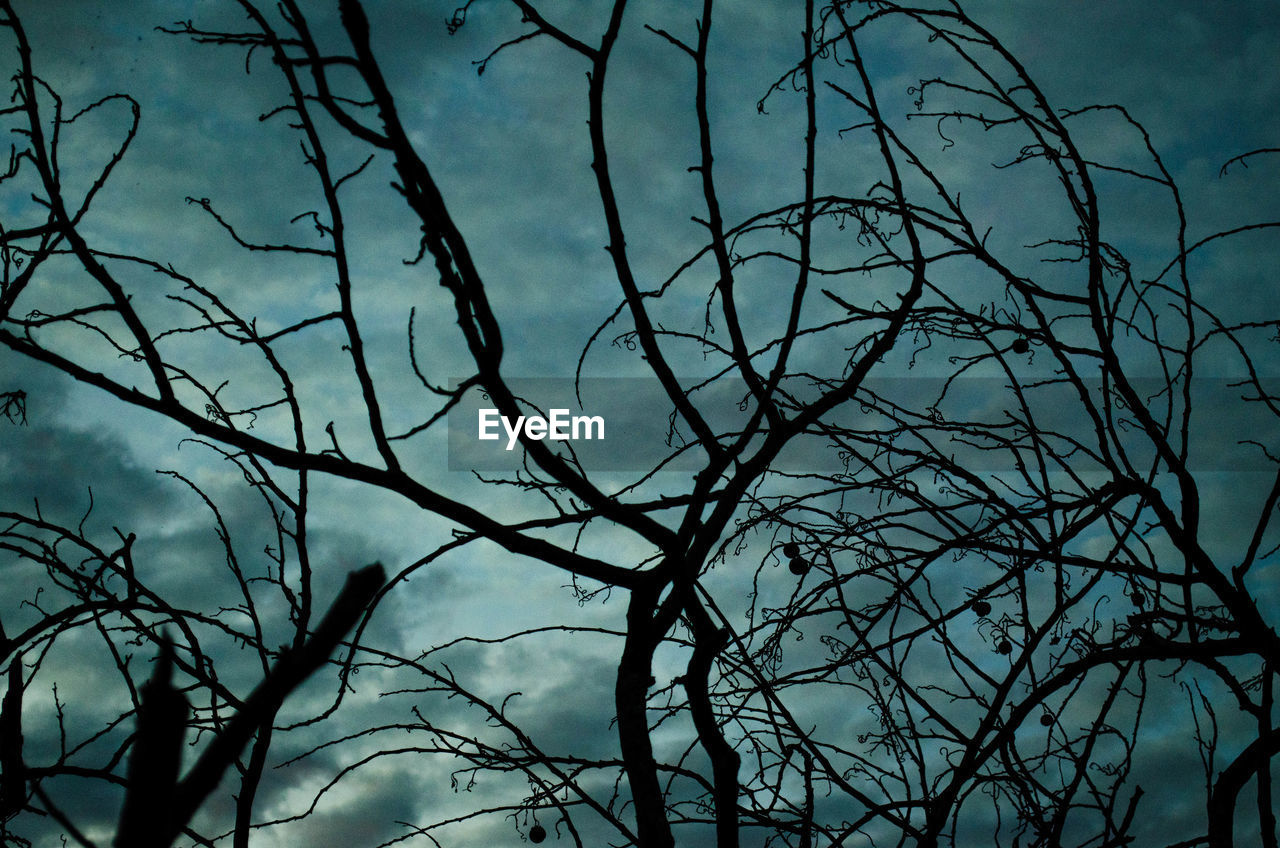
509	150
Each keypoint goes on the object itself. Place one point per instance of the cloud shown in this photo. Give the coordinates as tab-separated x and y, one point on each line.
510	151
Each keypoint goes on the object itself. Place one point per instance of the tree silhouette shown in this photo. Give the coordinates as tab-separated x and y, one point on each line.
951	524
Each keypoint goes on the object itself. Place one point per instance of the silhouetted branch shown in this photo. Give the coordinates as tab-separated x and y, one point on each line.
157	807
13	780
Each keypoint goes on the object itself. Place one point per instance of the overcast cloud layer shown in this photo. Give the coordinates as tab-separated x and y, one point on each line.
509	150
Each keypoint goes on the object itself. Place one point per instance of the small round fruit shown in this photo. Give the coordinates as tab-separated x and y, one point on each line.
537	833
1021	345
1004	646
982	607
798	565
1046	719
791	549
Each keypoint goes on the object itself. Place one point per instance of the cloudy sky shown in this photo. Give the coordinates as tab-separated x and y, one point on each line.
510	152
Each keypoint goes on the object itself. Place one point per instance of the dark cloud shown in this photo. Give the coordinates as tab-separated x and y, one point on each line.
509	151
70	458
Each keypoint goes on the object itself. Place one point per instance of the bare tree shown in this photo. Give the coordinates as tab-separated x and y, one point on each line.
951	565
